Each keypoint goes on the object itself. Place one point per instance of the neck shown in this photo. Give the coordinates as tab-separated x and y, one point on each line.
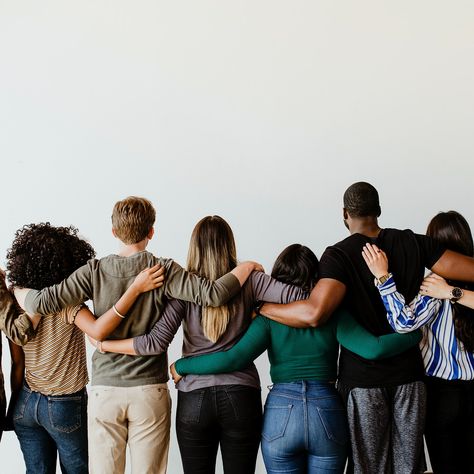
127	250
367	226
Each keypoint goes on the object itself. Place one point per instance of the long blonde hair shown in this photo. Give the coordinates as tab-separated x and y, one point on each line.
212	254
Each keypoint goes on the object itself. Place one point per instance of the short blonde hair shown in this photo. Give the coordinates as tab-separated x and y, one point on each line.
132	219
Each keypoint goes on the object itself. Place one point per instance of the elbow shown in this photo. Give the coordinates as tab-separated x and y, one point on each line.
314	317
97	334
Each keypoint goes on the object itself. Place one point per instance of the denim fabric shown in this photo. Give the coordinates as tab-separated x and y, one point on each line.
225	415
47	425
304	429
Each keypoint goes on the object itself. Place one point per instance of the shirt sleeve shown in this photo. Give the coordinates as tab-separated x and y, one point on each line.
332	266
431	250
68	315
265	288
72	291
190	287
354	337
241	355
163	332
403	317
14	323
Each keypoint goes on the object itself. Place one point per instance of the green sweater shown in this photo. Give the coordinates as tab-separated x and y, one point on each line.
299	354
104	281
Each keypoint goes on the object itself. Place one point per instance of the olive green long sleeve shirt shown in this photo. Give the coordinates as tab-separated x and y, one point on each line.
104	281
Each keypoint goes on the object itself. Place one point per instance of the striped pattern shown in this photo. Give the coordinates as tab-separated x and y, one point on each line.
55	359
443	354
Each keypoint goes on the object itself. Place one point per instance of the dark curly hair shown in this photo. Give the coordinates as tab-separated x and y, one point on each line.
452	230
42	255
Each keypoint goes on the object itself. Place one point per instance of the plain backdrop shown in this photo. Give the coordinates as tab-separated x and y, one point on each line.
260	111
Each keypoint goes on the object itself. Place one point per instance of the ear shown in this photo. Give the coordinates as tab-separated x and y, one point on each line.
345	214
114	233
151	233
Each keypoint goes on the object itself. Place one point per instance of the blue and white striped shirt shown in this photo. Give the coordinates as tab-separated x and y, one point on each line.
443	354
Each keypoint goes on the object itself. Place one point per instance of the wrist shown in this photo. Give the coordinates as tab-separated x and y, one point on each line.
455	294
381	278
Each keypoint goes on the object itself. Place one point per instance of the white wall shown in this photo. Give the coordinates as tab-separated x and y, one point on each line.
260	111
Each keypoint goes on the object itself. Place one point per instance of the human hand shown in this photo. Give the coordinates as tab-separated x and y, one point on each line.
436	287
376	260
149	279
176	377
255	266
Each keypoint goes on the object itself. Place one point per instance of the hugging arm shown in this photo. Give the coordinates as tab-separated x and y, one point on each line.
354	337
240	356
16	380
454	266
100	328
315	311
157	340
402	317
15	324
196	289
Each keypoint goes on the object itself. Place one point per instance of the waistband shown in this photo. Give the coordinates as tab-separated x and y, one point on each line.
302	387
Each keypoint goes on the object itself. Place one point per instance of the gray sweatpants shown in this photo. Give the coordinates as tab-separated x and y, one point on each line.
386	426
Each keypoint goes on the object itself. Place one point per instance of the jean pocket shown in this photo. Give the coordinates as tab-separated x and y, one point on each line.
20	405
334	421
246	402
65	413
189	406
275	421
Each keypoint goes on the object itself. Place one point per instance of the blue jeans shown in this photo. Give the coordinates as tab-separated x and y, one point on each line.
304	429
47	425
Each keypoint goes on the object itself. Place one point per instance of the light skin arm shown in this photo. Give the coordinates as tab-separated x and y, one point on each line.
100	328
16	380
437	287
402	317
154	342
315	311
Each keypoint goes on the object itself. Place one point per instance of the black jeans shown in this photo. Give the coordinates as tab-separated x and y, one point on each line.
450	425
229	415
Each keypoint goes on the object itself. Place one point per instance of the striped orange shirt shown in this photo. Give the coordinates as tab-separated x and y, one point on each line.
55	358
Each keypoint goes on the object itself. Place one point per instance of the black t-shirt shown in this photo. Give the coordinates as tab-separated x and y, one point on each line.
408	256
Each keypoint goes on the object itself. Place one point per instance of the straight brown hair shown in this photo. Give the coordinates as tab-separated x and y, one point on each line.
212	254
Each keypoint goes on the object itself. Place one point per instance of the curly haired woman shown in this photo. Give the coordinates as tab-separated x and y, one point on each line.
50	413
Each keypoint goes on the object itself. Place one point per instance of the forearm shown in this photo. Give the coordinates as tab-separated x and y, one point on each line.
454	266
467	299
120	346
70	292
17	326
101	327
315	311
240	356
195	289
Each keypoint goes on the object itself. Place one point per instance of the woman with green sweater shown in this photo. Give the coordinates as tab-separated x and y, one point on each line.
304	428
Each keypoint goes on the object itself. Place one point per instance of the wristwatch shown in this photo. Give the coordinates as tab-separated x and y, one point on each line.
456	294
382	279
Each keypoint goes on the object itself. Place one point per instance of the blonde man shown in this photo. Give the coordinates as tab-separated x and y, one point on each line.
129	401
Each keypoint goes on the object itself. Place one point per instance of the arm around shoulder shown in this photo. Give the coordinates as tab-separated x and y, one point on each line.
313	312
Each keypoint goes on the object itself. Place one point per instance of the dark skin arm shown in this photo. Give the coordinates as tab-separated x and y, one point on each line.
16	380
315	311
454	266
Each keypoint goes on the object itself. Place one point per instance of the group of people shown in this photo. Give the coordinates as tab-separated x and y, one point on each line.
366	354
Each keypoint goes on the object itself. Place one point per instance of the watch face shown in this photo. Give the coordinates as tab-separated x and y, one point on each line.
456	293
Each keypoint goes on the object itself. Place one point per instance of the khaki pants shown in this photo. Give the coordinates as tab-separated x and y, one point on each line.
139	416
